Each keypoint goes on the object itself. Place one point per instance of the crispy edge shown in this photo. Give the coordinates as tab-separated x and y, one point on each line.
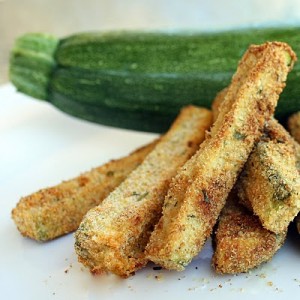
193	203
58	210
216	104
270	181
112	236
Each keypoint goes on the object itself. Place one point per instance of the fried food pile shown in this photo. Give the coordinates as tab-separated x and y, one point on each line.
231	174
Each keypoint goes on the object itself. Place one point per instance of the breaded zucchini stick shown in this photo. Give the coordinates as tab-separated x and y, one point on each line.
199	191
112	236
240	241
294	126
54	211
270	181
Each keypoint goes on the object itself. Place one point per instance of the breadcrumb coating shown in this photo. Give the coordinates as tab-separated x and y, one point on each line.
215	107
240	241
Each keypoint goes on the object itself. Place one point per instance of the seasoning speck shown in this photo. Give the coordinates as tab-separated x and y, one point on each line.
158	277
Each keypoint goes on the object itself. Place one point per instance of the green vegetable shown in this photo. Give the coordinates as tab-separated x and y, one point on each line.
139	80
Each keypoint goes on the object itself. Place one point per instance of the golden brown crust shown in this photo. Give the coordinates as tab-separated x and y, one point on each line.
55	211
198	192
270	181
113	235
216	104
241	243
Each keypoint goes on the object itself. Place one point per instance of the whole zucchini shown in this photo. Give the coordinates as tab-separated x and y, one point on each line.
139	80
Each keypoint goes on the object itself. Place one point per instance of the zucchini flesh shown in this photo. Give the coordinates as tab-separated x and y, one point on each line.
148	76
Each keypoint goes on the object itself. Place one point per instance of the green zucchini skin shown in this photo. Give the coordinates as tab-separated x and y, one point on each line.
140	80
150	92
115	117
32	63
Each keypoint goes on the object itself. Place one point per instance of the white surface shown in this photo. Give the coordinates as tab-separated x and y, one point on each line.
39	147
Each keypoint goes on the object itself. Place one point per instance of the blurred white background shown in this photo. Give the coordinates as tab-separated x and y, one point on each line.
62	17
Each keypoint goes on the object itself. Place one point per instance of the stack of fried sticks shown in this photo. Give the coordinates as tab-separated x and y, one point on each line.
231	173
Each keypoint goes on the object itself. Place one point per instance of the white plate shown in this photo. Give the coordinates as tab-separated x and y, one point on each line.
39	147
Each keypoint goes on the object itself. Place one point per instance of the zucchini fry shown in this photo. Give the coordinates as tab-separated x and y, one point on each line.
270	181
112	236
199	190
55	211
240	241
